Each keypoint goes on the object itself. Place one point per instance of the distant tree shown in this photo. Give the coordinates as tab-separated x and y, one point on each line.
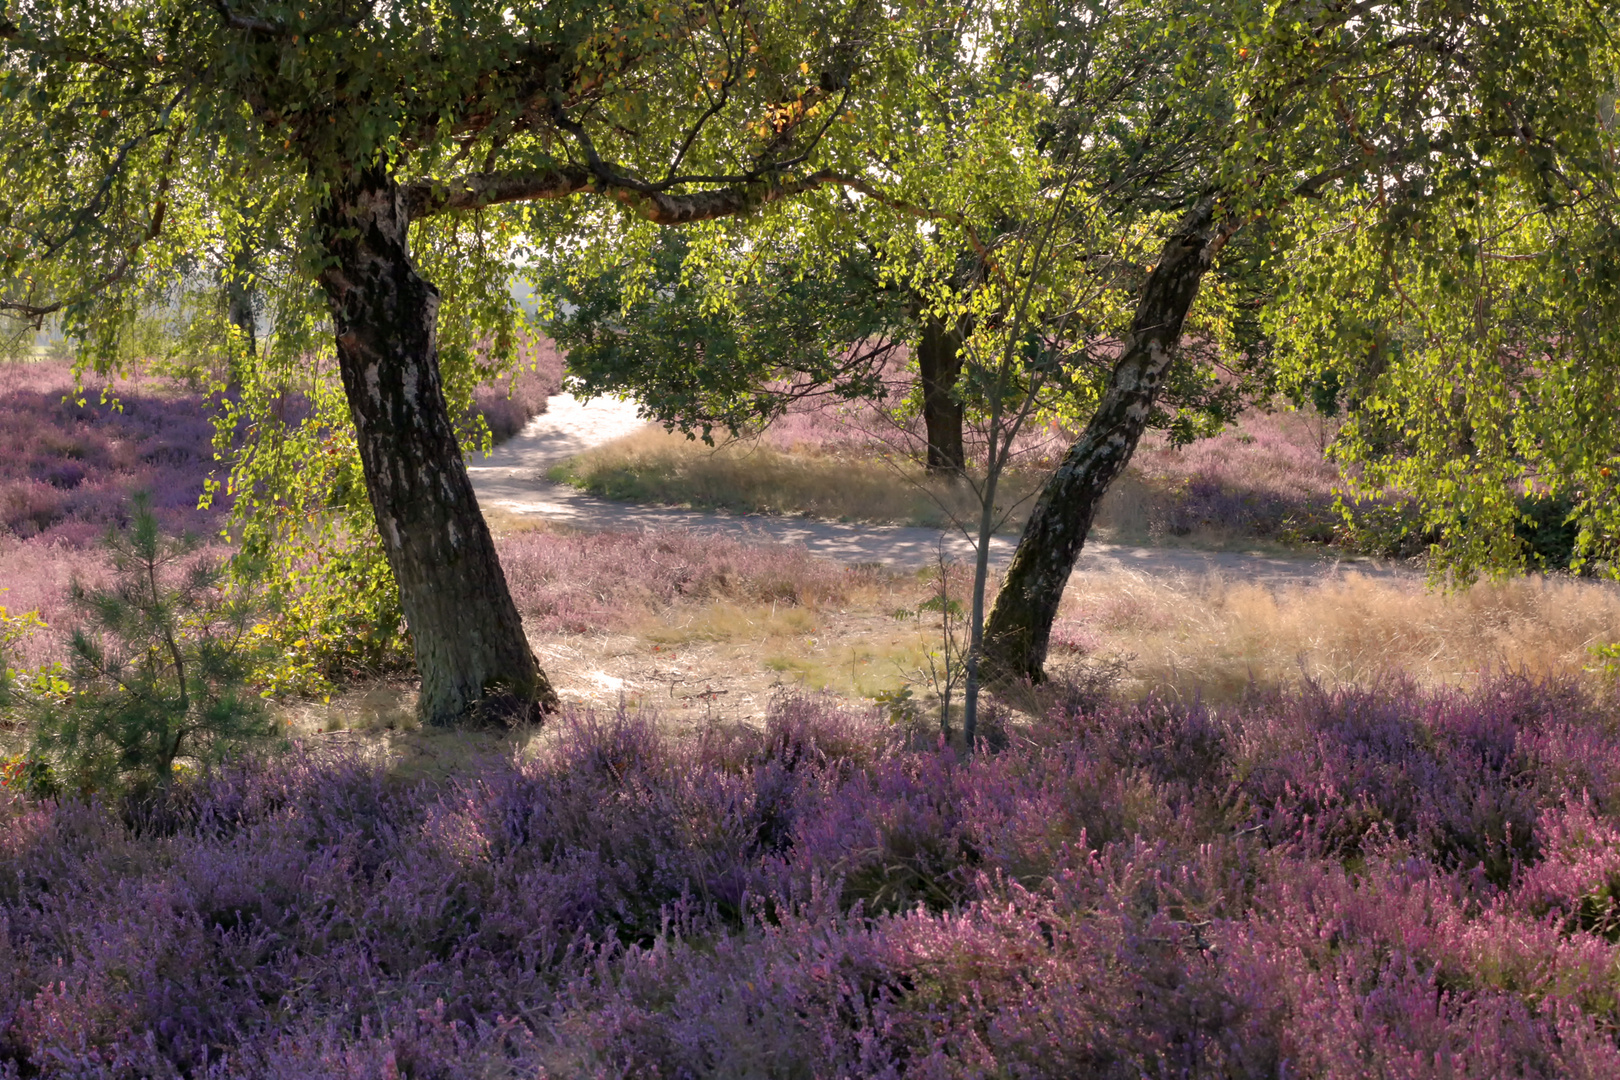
807	323
653	332
130	130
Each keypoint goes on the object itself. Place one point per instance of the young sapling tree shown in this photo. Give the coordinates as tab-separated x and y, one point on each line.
159	668
1008	366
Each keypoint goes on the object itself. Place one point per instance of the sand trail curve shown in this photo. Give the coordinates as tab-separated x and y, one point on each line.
513	479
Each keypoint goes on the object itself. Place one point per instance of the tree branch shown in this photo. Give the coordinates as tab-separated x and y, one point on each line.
253	24
426	198
36	313
664	209
257	24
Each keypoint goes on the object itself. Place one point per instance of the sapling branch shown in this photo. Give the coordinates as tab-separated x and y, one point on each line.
999	445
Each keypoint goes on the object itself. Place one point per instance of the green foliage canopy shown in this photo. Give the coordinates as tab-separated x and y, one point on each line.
1463	315
1003	107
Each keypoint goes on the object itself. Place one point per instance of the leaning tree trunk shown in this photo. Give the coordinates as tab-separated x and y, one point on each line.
939	363
1020	624
475	663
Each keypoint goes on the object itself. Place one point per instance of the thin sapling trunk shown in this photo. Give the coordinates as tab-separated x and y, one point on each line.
981	572
999	447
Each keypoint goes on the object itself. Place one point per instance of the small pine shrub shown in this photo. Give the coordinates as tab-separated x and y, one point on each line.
159	668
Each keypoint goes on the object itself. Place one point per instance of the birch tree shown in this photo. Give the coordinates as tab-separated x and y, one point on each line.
1301	105
129	128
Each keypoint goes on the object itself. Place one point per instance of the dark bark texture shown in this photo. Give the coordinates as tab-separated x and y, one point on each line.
475	663
939	363
1020	624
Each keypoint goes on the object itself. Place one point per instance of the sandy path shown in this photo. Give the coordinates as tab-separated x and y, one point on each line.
513	479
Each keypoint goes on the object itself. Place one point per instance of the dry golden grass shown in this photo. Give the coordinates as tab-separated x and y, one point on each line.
1215	637
859	648
721	658
1212	637
746	476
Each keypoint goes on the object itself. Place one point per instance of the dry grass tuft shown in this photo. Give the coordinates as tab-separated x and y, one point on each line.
750	476
1216	637
858	652
850	482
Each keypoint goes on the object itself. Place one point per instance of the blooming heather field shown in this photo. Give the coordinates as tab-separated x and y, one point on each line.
509	404
67	471
1359	854
1257	478
1375	882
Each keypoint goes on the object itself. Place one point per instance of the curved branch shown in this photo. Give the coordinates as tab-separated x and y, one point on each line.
426	198
33	312
37	313
257	24
253	24
661	208
126	262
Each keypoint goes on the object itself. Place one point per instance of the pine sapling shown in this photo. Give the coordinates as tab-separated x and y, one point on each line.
159	667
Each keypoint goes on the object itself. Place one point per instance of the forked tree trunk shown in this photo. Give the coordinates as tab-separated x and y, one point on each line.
475	663
1020	624
939	363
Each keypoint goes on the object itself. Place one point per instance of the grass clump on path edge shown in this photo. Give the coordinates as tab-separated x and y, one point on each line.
1266	480
1365	881
754	477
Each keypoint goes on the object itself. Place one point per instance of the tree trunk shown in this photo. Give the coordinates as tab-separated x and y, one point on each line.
239	299
939	362
475	663
1020	624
